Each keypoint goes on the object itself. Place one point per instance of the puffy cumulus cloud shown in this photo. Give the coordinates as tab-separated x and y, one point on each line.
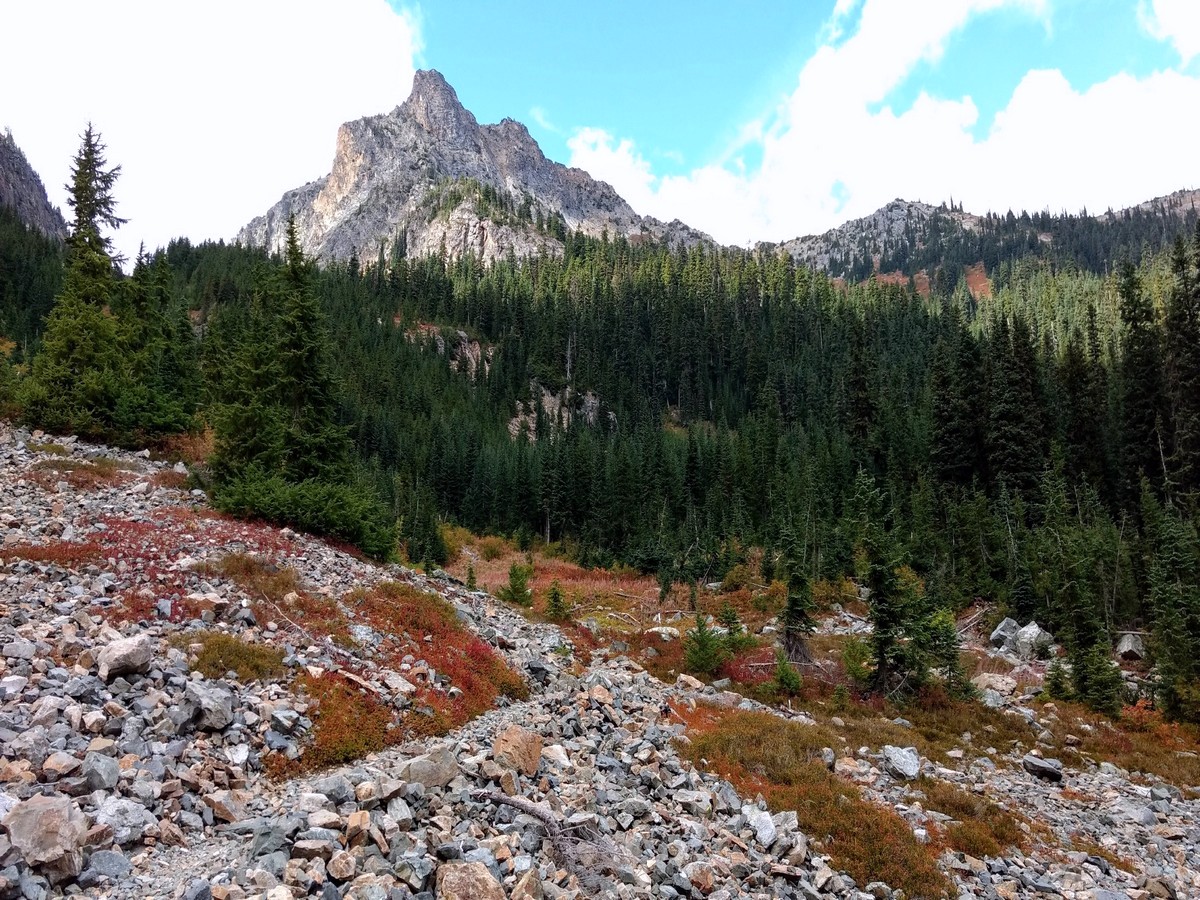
212	109
833	152
1177	21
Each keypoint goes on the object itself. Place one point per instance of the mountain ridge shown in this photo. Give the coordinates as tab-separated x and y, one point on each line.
911	237
388	170
22	189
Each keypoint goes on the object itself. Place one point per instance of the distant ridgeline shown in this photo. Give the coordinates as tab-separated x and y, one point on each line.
940	242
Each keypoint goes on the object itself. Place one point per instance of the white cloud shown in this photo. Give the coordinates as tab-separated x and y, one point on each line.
542	118
212	109
1177	21
832	153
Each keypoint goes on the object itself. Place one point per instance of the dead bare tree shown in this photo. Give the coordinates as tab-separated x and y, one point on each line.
579	848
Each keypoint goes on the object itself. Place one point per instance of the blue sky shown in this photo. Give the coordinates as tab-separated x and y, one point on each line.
682	78
702	110
757	120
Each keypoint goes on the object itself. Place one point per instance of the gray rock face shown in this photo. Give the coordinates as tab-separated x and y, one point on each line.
902	762
126	656
22	189
405	174
880	233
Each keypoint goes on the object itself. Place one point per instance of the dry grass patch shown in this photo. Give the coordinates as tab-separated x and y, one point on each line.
169	478
760	753
256	575
427	626
348	724
983	828
80	474
1140	741
217	653
51	448
278	592
192	448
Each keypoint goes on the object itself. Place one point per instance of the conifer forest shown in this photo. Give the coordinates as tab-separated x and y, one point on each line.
1035	446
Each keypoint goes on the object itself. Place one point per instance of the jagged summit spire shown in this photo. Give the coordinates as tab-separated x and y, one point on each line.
434	105
429	178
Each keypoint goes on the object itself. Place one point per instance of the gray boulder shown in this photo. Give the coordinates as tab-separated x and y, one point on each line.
49	833
108	864
1046	769
1031	641
1004	633
127	818
101	773
212	706
902	762
126	656
1131	647
434	769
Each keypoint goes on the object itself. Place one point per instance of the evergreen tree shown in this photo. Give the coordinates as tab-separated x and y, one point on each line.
517	590
1144	444
280	452
557	607
77	377
1175	602
703	649
91	197
1183	369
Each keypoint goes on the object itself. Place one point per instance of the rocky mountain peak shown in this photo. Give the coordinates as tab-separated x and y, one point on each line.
428	178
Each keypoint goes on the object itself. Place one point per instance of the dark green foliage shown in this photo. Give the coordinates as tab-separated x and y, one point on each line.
703	649
1058	683
1182	363
280	452
787	681
117	358
91	197
31	274
472	584
1144	439
798	620
557	607
517	590
345	511
736	637
1175	602
1096	680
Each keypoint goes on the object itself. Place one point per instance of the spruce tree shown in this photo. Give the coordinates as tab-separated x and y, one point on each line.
1175	603
1144	441
1182	330
77	377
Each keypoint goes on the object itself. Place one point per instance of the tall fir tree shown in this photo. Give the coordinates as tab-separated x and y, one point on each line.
77	377
1144	443
1182	376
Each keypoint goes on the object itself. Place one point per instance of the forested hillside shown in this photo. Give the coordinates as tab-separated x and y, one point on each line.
938	243
673	409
